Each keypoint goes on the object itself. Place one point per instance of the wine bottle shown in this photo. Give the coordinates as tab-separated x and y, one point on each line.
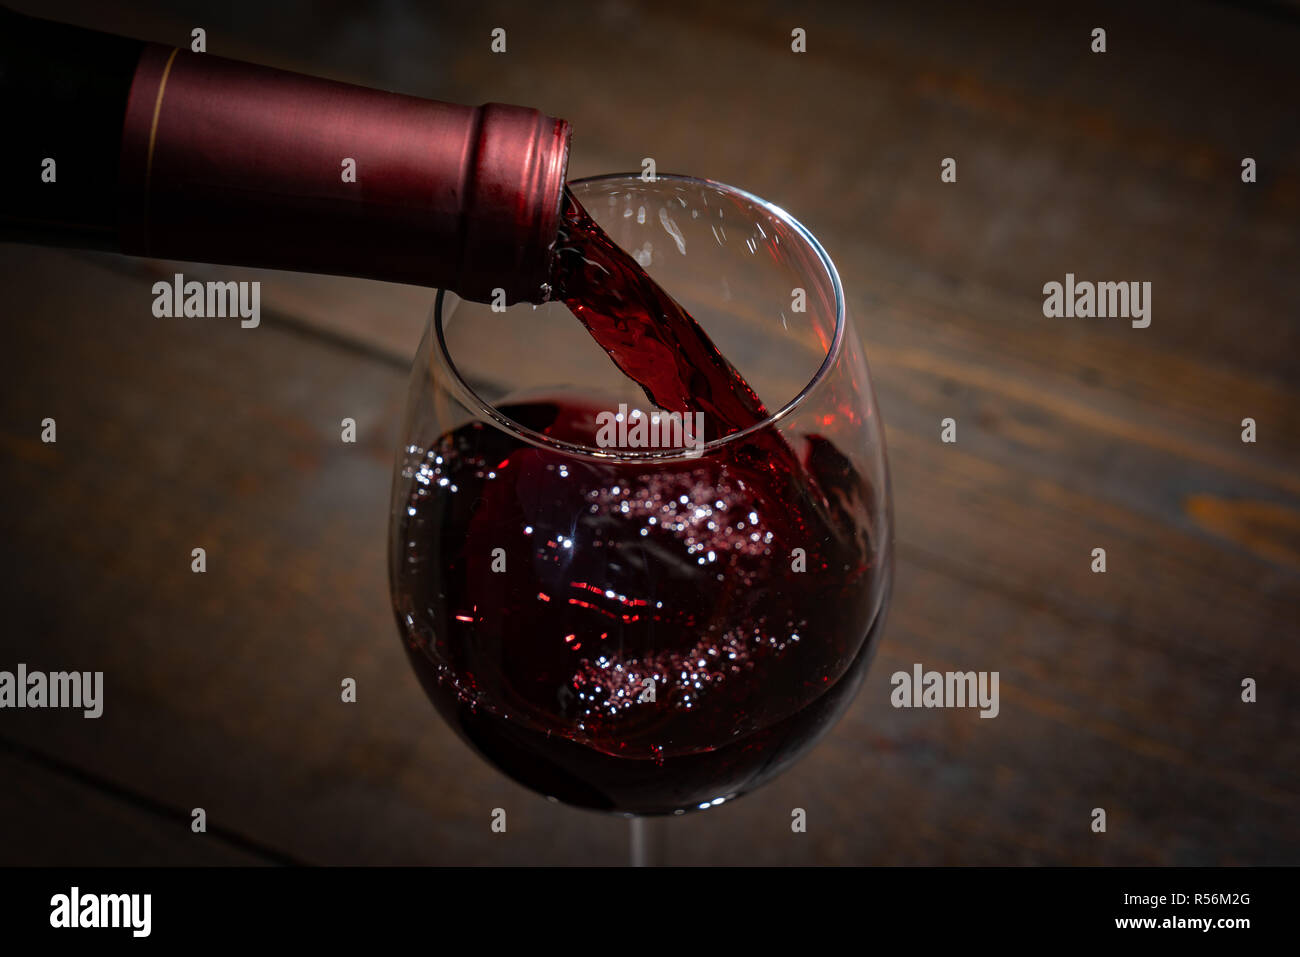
150	150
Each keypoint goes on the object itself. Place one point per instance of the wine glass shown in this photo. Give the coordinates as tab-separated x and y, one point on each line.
645	630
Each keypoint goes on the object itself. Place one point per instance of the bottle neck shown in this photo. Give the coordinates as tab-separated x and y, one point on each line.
196	157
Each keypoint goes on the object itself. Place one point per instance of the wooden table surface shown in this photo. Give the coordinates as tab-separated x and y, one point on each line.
1120	691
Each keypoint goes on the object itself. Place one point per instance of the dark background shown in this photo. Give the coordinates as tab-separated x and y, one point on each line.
1119	691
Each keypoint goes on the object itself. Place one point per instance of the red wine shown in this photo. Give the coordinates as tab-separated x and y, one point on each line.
643	329
618	578
659	346
637	637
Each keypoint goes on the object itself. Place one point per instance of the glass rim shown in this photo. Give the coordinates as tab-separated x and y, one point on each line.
475	402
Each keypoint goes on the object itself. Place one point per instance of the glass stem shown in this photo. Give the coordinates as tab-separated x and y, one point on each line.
643	845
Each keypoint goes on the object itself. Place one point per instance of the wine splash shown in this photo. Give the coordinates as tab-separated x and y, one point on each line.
643	329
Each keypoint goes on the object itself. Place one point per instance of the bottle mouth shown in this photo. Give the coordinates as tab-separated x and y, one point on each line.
512	203
474	402
553	176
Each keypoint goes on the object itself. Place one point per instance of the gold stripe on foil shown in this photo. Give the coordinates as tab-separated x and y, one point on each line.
157	109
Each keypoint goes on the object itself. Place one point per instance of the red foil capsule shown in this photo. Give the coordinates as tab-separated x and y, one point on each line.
228	162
